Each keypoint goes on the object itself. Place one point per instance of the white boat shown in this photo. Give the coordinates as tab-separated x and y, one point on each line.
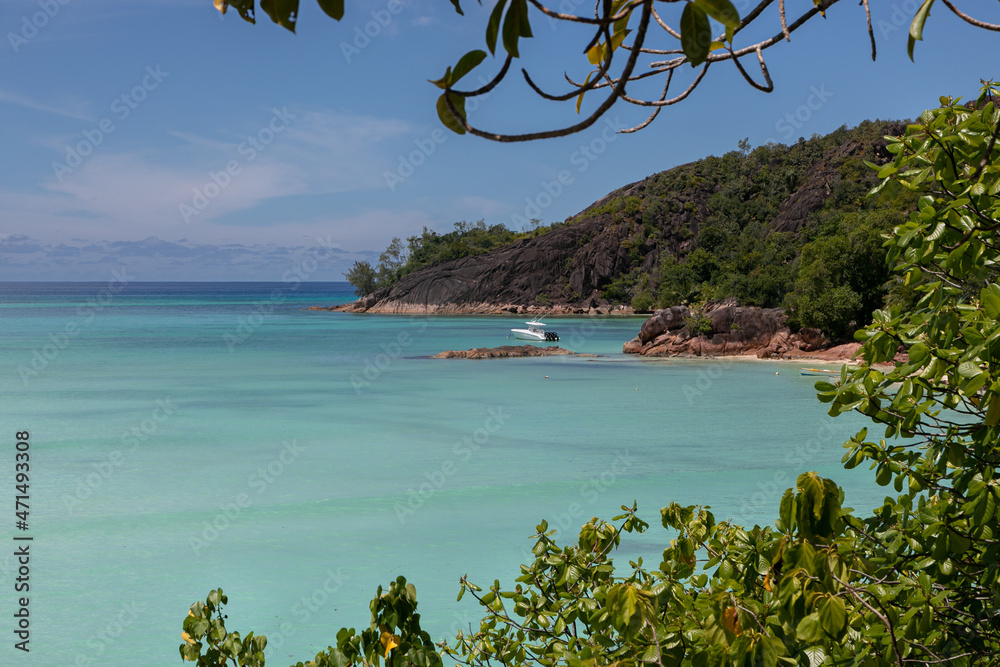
535	331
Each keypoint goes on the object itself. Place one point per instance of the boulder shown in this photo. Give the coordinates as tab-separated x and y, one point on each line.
634	346
812	339
666	319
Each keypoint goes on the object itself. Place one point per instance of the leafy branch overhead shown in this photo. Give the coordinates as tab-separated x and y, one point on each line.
635	50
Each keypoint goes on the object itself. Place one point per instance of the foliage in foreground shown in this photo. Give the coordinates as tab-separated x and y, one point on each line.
698	33
915	582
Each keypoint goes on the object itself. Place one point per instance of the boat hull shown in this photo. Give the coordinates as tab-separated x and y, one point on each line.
540	336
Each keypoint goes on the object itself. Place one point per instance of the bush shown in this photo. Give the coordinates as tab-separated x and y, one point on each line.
642	302
699	325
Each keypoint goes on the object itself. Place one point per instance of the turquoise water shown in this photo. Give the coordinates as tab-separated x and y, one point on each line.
192	436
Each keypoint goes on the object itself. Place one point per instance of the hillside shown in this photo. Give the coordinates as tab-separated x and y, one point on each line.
776	226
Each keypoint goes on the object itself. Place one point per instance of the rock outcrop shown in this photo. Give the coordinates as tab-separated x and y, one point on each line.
723	328
504	351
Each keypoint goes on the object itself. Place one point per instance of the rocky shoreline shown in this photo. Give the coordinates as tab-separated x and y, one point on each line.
372	304
722	328
505	352
726	329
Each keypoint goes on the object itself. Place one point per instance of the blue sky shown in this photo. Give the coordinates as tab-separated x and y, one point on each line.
221	150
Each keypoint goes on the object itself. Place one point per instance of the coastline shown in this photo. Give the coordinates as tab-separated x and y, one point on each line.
401	308
819	350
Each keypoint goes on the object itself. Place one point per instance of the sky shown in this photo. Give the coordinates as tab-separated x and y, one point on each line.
166	139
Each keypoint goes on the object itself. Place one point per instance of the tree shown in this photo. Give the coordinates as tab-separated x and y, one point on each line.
628	30
916	582
363	277
391	262
841	278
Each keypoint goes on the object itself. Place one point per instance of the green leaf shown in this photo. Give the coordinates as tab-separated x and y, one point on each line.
815	655
651	654
333	8
445	114
832	615
809	629
244	7
884	475
445	81
917	26
512	28
989	298
458	7
969	369
993	411
515	26
696	34
467	63
282	12
771	648
493	27
918	353
722	11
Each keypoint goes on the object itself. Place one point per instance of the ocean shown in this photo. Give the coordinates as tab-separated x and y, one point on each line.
190	436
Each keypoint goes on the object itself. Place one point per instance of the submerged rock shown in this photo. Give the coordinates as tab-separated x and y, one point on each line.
502	352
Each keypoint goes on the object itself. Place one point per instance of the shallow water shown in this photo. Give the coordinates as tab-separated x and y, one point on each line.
190	436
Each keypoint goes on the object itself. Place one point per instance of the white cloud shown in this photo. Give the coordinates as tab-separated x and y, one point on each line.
70	109
129	188
318	152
